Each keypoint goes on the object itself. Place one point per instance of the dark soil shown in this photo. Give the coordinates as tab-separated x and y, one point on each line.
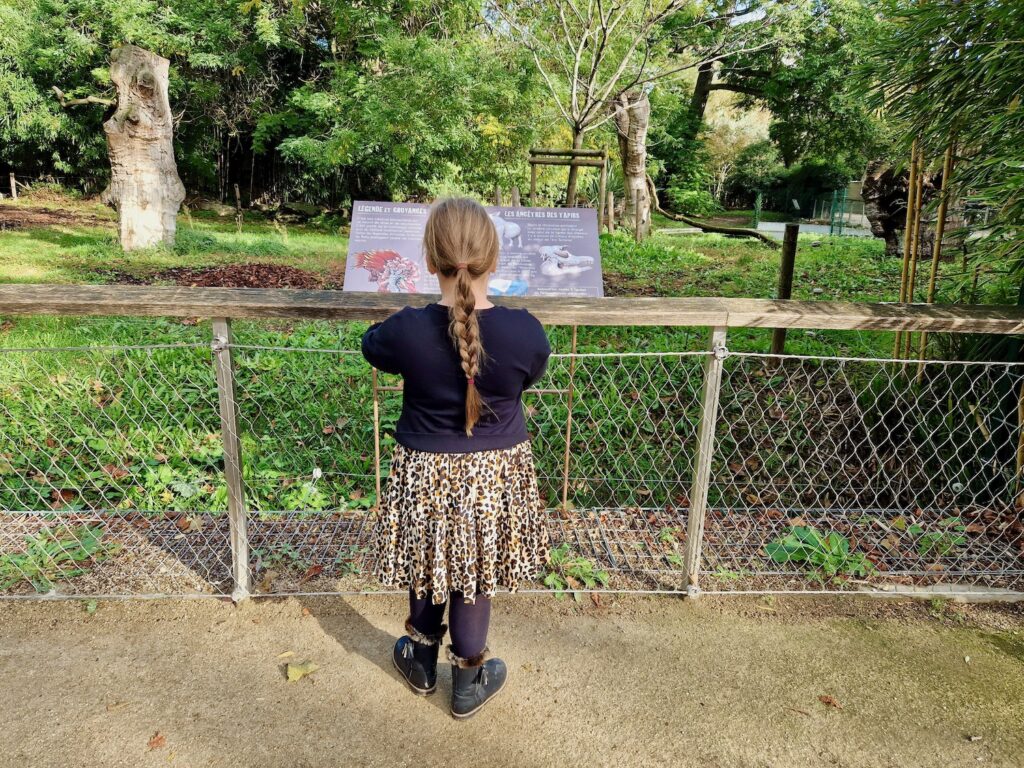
21	216
231	276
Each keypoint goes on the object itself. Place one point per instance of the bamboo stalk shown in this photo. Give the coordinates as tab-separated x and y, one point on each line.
915	245
940	231
907	232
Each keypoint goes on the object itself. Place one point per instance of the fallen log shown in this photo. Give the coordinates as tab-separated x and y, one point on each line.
718	229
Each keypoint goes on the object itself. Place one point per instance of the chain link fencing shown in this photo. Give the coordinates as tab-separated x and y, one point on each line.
825	473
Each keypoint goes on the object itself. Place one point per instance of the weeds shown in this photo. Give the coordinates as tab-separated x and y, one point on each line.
55	554
570	571
829	556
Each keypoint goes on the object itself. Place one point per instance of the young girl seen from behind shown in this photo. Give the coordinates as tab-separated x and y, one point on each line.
461	515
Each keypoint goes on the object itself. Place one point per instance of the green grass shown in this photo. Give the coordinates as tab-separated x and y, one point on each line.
85	254
139	430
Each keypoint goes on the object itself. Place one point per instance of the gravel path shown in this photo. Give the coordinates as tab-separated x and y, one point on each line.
629	682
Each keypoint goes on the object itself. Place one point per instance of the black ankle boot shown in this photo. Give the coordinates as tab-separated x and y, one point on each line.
474	682
415	658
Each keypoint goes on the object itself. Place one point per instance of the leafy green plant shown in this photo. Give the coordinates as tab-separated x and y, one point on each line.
829	555
570	571
940	542
55	554
347	560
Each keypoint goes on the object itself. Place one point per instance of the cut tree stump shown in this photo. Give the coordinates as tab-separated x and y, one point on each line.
144	185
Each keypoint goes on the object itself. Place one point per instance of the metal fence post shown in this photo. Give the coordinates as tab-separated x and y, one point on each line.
704	453
232	456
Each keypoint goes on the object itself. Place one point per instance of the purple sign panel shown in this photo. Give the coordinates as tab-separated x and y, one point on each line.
544	251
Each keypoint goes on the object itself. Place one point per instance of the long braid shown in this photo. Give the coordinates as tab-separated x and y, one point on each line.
461	242
465	329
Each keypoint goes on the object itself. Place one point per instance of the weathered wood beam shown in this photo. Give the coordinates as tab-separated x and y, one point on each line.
171	301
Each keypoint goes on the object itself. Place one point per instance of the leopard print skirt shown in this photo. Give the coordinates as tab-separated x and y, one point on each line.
460	522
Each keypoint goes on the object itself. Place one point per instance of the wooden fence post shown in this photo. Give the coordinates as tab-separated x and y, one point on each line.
238	209
497	195
789	242
14	187
601	193
703	455
515	197
533	185
376	437
568	423
232	456
610	209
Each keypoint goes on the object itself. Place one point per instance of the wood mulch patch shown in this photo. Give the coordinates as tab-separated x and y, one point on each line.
232	276
23	216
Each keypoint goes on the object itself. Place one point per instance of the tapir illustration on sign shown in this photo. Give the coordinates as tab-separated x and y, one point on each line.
508	230
557	260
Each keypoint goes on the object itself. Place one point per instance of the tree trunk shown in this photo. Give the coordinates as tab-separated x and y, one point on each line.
144	184
632	117
570	190
699	101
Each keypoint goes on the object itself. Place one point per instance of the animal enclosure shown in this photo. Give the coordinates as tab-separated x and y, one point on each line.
229	467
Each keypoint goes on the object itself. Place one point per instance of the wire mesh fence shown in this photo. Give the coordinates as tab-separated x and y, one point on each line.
110	479
826	473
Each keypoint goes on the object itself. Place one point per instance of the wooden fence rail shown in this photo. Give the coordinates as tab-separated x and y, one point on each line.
117	300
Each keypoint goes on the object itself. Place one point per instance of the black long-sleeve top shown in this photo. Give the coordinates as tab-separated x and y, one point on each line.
415	343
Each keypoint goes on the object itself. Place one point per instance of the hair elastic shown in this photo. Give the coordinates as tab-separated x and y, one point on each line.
469	381
462	265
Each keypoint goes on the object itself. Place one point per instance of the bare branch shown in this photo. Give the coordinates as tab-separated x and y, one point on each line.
66	102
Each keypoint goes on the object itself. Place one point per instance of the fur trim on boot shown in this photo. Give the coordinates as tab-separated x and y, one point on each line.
471	663
423	639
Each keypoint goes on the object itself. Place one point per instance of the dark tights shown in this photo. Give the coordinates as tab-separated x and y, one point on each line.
467	622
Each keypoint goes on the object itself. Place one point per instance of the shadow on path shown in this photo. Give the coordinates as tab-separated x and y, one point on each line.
350	629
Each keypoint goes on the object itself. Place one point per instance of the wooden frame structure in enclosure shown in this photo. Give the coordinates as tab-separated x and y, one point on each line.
587	158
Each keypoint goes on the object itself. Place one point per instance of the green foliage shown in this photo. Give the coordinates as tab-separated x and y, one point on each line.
691	202
758	168
829	556
570	571
53	555
940	542
950	71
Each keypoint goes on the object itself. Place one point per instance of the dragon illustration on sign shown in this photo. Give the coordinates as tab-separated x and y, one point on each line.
392	272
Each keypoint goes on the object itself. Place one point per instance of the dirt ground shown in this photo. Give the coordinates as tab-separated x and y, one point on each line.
18	216
632	682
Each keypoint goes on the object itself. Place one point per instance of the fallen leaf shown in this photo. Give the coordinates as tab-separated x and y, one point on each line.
115	471
62	496
300	670
157	740
830	701
595	599
313	570
306	612
286	655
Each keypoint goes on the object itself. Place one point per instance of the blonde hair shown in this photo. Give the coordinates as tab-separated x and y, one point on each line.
460	241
